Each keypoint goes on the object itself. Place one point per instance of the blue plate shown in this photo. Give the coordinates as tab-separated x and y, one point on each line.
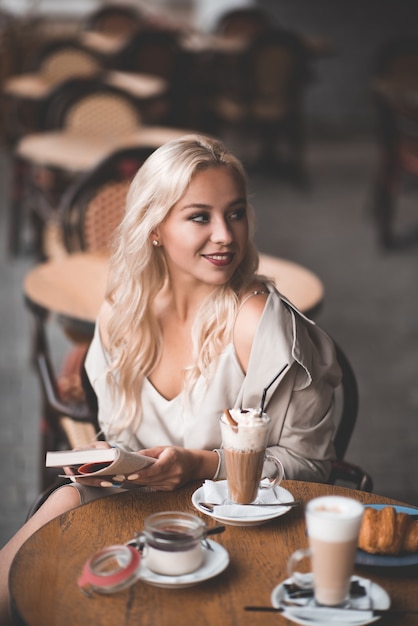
387	560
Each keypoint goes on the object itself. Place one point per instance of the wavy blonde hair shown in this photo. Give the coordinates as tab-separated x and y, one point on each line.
138	272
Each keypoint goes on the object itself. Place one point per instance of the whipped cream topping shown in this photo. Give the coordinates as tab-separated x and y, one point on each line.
251	432
249	418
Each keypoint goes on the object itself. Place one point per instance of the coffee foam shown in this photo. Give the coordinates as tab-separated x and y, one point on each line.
250	434
334	518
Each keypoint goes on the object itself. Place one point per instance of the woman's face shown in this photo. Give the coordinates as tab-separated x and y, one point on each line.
205	235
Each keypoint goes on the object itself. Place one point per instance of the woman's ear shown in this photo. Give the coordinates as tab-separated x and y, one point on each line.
155	237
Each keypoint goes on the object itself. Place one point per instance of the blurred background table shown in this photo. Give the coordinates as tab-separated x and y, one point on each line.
73	287
43	579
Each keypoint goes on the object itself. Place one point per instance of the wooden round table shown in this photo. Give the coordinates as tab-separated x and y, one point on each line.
300	285
36	86
43	577
74	286
74	153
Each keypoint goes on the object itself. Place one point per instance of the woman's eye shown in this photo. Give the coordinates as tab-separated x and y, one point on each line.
239	214
201	218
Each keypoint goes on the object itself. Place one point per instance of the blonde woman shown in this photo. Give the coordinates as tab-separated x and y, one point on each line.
189	329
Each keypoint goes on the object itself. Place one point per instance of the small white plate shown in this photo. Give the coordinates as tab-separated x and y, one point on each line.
214	562
379	600
250	519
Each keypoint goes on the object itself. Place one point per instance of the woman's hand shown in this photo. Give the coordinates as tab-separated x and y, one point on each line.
174	467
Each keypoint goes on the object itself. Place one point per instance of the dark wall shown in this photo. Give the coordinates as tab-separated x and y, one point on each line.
338	101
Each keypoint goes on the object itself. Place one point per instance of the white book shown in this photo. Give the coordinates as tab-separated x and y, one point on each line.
102	462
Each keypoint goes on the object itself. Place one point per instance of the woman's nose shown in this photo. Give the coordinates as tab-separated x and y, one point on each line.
221	232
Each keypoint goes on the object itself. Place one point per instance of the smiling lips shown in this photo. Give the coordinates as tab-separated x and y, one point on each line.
221	259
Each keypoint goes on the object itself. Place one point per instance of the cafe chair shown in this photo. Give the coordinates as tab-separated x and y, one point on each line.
72	109
154	51
347	405
94	204
263	100
108	29
69	406
394	92
27	97
27	92
158	52
87	120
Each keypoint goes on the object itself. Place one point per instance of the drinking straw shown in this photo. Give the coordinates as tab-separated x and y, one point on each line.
263	398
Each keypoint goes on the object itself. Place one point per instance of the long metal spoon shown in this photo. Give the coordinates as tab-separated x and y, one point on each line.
304	612
209	506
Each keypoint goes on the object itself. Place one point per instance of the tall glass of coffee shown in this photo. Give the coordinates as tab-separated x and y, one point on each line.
333	526
244	439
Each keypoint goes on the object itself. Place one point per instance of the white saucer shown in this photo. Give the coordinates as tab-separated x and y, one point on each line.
250	518
214	562
379	600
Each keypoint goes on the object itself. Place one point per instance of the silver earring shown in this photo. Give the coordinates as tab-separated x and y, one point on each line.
155	243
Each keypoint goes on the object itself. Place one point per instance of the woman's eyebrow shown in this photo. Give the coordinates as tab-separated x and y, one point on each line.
196	205
200	205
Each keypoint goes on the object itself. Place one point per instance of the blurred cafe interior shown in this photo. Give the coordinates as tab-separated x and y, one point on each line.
327	127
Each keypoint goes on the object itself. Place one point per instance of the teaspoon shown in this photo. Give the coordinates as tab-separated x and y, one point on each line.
209	506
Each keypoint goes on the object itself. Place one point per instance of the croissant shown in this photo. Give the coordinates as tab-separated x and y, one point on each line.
386	531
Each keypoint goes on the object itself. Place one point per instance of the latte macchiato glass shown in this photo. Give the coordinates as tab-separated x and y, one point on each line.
244	440
333	526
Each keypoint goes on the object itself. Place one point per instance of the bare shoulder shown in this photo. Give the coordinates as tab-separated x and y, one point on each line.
246	323
103	322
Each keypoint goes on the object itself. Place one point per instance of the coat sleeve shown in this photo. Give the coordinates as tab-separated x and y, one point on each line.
303	440
301	402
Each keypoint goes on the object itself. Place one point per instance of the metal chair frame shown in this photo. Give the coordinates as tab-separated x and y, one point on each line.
342	471
57	411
